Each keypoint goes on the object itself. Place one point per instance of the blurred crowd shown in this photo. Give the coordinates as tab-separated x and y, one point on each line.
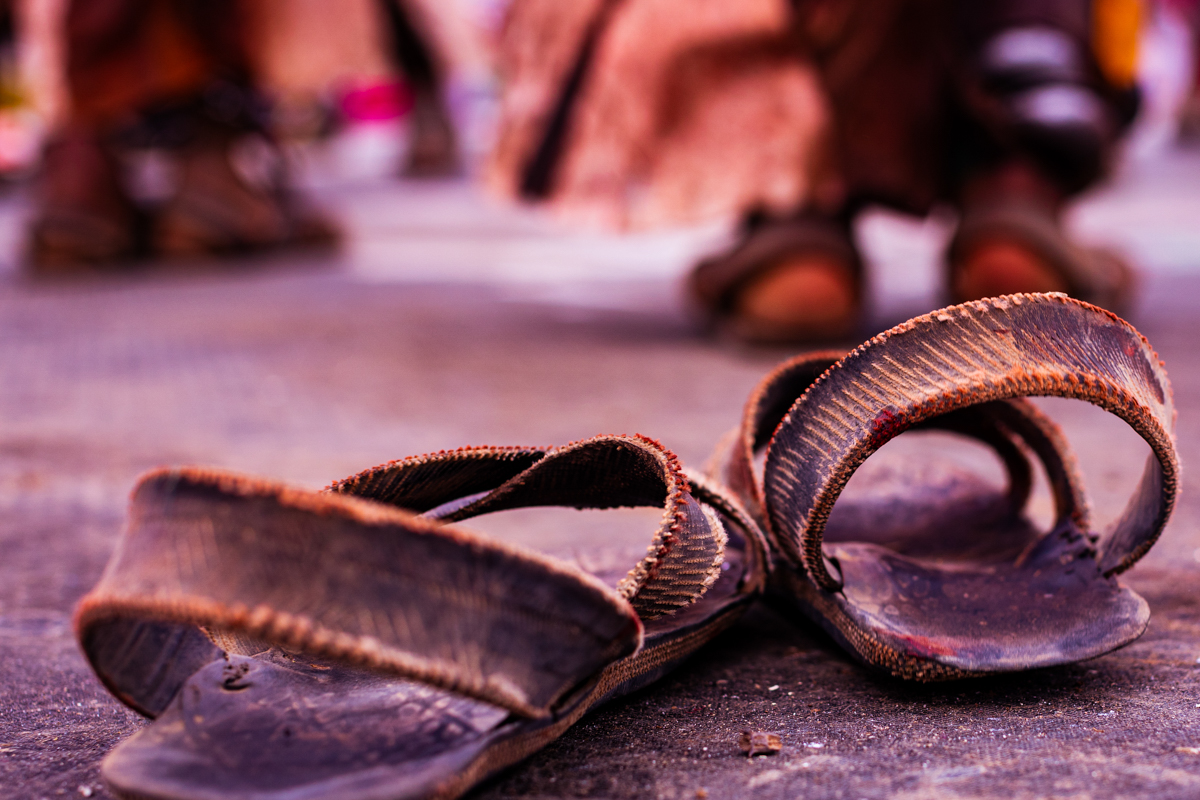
161	128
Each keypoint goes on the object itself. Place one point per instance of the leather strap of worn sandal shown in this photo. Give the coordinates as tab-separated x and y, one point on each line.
210	556
961	356
681	560
1010	427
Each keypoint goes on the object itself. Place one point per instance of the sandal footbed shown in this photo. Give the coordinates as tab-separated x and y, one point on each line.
948	572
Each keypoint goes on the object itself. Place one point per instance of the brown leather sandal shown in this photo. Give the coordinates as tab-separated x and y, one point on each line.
215	211
356	643
927	572
1050	262
785	281
85	220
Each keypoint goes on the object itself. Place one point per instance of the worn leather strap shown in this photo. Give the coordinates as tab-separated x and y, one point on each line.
1010	427
211	556
962	356
684	555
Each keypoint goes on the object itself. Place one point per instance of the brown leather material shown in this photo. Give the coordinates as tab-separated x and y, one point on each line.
422	483
710	492
346	579
1093	275
682	558
279	725
1009	427
959	356
941	580
421	656
768	404
716	282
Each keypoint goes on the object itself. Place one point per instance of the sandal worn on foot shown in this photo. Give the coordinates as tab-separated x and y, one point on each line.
216	210
1043	256
354	643
86	219
944	577
785	281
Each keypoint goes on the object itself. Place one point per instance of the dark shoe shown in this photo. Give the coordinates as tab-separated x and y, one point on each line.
85	218
216	211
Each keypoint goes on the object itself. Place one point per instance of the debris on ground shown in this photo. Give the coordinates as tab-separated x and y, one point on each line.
760	743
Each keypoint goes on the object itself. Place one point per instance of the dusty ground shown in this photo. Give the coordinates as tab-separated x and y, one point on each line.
311	368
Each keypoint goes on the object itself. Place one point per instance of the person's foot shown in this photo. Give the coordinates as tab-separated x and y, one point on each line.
1010	240
1012	249
85	218
791	280
215	210
805	296
1002	266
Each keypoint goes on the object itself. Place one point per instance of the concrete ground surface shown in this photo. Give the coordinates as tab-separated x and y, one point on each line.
448	322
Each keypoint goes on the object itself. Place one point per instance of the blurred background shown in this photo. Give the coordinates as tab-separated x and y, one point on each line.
299	237
139	133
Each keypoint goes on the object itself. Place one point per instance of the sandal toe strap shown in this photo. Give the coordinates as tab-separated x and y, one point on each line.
1013	428
370	573
337	577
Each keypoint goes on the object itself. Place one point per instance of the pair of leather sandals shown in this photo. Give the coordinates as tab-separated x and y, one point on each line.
360	642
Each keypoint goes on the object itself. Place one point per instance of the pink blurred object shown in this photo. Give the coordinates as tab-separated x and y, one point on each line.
376	102
21	133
